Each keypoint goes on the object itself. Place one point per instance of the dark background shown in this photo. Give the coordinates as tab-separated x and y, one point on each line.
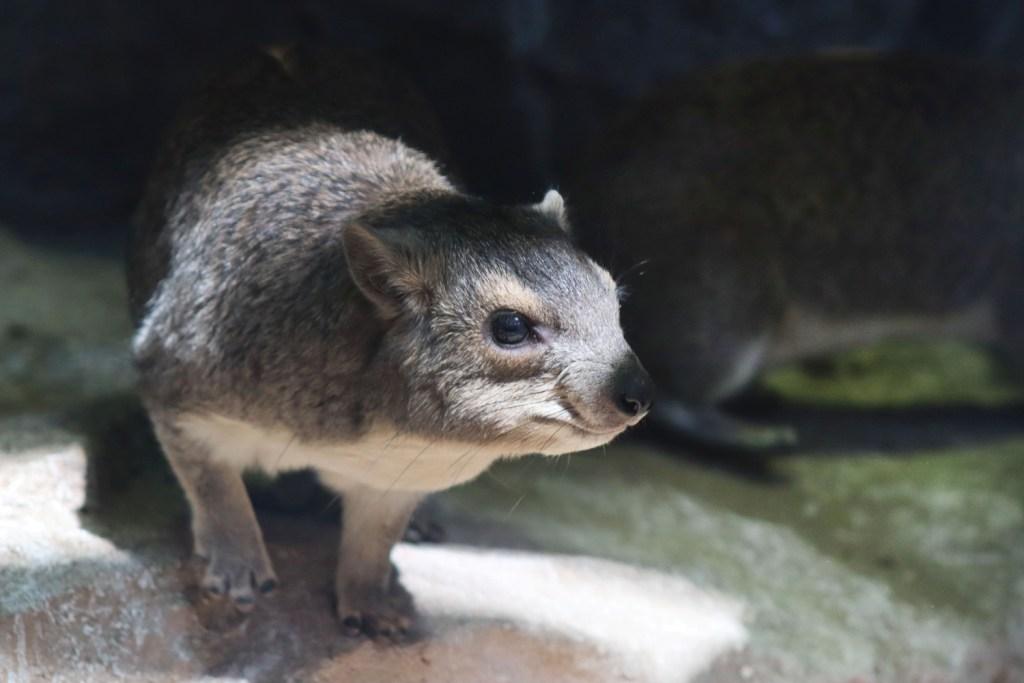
86	87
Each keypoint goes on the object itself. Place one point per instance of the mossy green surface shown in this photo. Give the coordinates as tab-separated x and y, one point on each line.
851	563
897	374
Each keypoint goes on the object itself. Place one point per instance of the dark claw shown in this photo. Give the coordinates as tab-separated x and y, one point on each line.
353	625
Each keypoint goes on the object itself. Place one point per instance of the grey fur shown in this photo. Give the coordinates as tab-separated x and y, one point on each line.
766	211
301	274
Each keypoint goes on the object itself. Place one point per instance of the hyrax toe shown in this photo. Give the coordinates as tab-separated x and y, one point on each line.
376	615
377	625
238	578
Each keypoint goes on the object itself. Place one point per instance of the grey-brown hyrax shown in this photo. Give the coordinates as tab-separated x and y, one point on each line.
773	210
311	290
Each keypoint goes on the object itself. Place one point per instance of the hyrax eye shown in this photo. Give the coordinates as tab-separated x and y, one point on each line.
509	328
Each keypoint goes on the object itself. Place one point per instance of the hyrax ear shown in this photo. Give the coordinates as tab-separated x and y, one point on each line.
553	206
387	271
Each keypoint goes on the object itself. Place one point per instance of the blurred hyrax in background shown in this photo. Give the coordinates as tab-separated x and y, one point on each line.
311	292
768	211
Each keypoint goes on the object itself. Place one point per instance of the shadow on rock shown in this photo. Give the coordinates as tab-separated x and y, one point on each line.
834	430
895	430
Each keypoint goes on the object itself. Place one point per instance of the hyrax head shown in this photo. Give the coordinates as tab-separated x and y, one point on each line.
497	329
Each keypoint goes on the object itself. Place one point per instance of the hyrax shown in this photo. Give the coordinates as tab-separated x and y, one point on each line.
772	210
311	291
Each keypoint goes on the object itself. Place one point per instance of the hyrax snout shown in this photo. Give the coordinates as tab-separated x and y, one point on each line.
310	292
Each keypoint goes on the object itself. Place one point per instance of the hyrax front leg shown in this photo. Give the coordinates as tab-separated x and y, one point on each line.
225	532
370	598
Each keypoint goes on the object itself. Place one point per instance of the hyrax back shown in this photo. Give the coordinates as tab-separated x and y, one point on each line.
777	209
311	290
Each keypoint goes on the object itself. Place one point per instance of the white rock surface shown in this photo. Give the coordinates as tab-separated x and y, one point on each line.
78	604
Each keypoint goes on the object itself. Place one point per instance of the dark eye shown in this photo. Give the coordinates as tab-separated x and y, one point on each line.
509	328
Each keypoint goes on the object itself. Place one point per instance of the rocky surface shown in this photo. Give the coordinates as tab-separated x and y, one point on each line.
887	550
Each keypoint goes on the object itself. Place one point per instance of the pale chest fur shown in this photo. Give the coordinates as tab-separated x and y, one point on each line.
382	459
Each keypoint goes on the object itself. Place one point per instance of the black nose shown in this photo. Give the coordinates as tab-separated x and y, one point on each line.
634	390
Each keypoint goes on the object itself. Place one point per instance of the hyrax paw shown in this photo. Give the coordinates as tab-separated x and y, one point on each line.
396	627
238	577
377	616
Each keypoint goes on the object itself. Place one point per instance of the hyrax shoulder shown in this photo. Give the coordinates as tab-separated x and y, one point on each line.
775	209
312	290
255	110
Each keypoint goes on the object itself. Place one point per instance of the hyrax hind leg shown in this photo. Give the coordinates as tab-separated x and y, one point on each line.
697	380
370	599
709	426
225	532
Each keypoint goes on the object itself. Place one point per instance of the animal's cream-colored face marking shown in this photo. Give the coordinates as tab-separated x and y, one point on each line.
382	459
504	291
